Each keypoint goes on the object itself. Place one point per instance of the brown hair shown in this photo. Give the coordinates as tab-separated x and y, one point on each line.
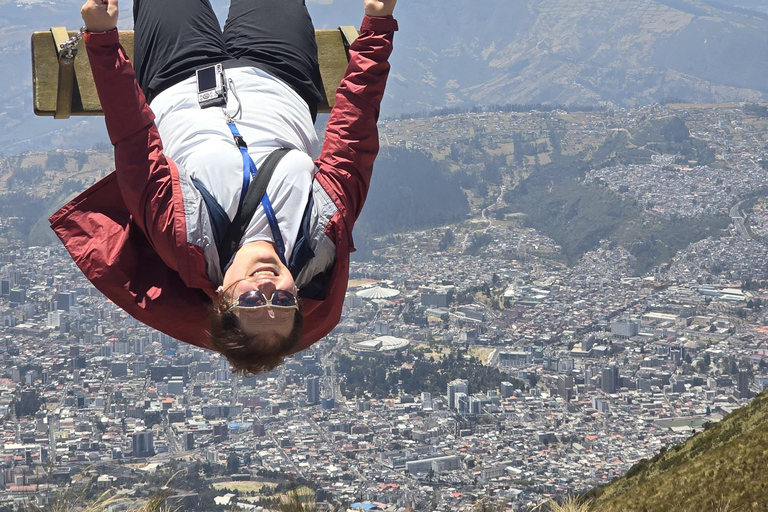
252	353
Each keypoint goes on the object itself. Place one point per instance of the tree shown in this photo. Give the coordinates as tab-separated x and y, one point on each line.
152	418
233	463
28	404
447	240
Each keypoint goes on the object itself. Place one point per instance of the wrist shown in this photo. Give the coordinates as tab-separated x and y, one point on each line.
379	12
379	24
105	38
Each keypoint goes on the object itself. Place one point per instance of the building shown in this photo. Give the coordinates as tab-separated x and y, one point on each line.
65	300
380	345
462	403
565	387
143	444
625	328
514	359
437	464
742	386
610	379
19	296
437	296
56	319
600	405
188	441
119	369
454	388
176	386
139	346
313	390
220	432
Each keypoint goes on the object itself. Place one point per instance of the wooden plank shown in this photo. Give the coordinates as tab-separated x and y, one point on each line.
85	101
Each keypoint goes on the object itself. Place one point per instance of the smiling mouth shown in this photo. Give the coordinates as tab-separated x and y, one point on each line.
263	272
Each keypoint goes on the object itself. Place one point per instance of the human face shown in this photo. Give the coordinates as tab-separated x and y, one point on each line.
258	267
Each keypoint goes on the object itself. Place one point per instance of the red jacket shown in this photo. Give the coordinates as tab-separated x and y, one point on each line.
127	233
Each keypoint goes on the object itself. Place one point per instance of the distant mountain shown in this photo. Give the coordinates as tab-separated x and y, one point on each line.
579	52
754	5
463	52
721	468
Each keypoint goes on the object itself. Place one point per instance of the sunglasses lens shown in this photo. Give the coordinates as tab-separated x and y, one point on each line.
283	298
252	299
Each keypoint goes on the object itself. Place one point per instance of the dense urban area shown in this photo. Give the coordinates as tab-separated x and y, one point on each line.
476	361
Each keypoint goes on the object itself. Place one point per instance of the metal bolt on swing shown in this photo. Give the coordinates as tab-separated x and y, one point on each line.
68	49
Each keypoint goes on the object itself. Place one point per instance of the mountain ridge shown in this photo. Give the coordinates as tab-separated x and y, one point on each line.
459	53
598	52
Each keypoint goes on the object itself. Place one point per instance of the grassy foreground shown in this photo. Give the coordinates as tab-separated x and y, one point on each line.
723	468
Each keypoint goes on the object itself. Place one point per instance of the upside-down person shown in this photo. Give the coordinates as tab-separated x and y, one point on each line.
181	236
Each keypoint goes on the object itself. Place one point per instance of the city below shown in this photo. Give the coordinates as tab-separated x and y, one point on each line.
455	375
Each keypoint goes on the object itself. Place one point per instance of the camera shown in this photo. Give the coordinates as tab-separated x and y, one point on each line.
211	86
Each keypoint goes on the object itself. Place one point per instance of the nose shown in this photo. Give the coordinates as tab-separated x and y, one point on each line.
267	288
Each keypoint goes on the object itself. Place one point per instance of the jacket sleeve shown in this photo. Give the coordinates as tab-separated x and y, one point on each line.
145	176
351	138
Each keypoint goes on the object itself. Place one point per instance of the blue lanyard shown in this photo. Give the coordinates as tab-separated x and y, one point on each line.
249	172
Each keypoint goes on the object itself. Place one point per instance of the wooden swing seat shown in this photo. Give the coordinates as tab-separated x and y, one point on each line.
64	88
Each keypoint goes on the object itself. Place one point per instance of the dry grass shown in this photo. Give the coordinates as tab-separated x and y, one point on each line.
569	505
721	469
71	502
243	487
299	499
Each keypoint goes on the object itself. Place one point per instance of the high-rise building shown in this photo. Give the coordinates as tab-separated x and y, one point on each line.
454	388
676	355
221	432
565	387
610	379
743	384
176	386
55	319
5	287
65	300
313	390
139	345
119	369
507	389
437	296
143	444
18	295
462	403
188	441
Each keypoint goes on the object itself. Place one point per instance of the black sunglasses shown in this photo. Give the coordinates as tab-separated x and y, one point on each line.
254	299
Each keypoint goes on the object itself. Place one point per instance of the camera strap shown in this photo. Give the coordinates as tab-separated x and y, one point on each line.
249	202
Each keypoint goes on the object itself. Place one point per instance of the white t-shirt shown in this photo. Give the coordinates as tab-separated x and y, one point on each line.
273	116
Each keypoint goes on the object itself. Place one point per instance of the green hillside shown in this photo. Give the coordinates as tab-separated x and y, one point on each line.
722	468
577	215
